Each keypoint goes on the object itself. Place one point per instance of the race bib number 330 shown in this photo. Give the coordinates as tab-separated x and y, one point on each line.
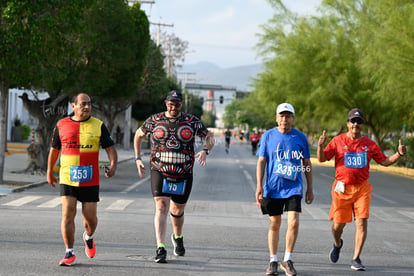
81	173
356	160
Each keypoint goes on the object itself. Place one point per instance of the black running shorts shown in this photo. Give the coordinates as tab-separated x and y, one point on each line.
83	194
276	206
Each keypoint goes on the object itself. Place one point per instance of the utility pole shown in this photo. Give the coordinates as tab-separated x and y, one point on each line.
186	79
141	1
159	24
186	74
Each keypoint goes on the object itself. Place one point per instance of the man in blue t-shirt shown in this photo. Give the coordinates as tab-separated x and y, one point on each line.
283	155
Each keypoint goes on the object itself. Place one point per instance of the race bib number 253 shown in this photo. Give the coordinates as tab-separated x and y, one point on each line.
81	173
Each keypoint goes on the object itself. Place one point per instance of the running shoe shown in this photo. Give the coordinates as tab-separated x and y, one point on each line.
357	265
272	269
178	244
90	249
288	268
68	260
161	256
335	251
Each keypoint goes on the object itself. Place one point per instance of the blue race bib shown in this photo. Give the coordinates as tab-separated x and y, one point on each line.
286	169
81	173
356	160
173	187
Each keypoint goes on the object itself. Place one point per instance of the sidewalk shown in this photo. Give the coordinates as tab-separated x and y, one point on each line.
15	162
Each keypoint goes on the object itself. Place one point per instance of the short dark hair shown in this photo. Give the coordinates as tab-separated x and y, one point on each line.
75	97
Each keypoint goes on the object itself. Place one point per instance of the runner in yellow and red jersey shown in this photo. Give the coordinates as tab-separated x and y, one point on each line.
77	138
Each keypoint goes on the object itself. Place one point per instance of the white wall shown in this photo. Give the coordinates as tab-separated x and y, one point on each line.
17	110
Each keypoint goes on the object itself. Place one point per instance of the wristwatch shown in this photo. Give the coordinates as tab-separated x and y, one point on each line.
207	151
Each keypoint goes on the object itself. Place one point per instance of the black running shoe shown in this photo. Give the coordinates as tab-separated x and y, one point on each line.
178	244
272	269
161	255
357	265
335	251
288	268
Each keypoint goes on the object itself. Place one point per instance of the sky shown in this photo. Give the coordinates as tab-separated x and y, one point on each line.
223	32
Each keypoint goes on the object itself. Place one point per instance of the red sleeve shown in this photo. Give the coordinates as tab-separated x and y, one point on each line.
377	154
330	149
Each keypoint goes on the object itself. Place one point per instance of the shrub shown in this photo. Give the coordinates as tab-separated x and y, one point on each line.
26	130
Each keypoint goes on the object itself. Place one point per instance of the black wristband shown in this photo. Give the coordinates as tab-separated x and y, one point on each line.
400	153
138	158
207	151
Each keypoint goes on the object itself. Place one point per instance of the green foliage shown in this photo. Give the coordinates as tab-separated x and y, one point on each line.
66	47
35	37
348	56
26	131
208	119
153	102
407	160
115	46
193	105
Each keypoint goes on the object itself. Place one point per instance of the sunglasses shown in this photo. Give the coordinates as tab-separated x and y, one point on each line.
359	121
177	105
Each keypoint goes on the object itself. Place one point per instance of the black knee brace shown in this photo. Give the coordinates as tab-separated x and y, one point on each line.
177	216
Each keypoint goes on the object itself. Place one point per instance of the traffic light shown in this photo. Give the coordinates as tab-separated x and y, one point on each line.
221	99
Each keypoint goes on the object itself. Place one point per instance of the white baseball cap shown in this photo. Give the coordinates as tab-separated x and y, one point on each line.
283	107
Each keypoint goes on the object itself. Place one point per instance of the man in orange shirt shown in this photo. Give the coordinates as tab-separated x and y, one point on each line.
351	190
77	138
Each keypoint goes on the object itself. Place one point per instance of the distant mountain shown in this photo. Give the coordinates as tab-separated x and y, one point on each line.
200	67
240	77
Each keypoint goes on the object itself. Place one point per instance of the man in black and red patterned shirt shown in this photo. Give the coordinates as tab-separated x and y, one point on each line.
172	135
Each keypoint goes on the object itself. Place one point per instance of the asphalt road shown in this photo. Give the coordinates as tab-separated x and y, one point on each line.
224	233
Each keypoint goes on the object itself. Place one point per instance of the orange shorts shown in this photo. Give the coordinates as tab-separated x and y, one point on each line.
355	200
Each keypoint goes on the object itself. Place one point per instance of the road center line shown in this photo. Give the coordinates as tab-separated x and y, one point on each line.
250	180
135	185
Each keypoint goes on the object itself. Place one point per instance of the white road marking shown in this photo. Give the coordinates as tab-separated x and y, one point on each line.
407	214
384	199
22	201
316	212
51	203
250	180
135	185
119	205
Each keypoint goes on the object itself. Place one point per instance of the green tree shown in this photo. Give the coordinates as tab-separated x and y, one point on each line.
388	55
154	86
68	52
36	36
324	65
115	46
208	119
